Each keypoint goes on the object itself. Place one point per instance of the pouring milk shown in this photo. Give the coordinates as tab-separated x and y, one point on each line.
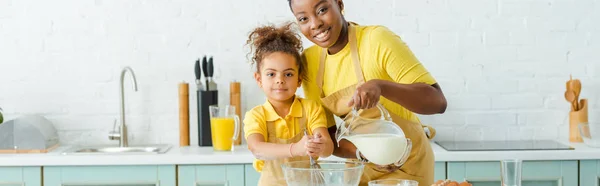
381	149
378	138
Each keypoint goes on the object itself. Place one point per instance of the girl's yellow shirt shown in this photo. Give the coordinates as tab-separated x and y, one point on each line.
255	121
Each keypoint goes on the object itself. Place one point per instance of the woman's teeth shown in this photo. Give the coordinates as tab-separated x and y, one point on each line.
321	36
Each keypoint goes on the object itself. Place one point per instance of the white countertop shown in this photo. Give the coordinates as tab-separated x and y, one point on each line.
241	155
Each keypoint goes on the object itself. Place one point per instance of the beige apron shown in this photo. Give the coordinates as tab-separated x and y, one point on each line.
420	163
272	173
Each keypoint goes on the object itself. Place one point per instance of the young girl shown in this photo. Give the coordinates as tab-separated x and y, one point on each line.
275	130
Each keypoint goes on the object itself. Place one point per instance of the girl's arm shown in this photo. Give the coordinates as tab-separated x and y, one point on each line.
268	151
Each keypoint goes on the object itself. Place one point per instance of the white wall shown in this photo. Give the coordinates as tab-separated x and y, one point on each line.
502	64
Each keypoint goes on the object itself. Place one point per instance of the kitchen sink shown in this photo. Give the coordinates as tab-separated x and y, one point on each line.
137	149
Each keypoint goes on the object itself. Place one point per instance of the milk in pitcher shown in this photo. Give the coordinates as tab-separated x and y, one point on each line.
380	149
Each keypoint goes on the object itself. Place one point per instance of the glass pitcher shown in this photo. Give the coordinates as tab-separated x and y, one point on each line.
224	127
365	128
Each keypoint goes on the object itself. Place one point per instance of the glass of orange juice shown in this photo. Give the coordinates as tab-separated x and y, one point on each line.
224	125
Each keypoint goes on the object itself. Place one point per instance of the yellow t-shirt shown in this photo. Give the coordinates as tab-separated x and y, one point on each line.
382	54
255	121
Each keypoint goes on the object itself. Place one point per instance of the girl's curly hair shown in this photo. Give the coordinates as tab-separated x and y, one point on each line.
265	40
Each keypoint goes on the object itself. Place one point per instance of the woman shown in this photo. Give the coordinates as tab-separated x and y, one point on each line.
360	66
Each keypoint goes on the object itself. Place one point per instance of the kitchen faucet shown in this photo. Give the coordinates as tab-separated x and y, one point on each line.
122	134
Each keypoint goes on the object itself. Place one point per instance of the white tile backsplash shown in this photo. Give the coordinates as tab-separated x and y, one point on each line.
502	63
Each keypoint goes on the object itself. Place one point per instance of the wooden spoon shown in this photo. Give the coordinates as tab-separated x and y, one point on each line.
571	98
576	85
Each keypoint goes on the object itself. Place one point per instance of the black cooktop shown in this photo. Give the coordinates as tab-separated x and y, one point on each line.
503	145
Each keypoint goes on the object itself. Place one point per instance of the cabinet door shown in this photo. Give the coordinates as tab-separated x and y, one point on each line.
211	175
439	171
534	173
251	175
20	176
151	175
589	173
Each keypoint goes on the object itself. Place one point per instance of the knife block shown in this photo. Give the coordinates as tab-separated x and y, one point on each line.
205	99
575	118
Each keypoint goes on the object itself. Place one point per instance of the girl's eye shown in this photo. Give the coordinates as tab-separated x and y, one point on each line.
289	74
301	19
270	74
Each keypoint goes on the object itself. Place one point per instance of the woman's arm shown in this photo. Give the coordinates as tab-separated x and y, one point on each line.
267	151
420	98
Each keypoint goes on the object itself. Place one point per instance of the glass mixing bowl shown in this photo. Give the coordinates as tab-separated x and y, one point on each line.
334	173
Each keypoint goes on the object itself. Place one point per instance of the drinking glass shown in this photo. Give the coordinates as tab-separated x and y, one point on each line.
511	172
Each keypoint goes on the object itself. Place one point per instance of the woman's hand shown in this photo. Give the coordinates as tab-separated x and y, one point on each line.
366	95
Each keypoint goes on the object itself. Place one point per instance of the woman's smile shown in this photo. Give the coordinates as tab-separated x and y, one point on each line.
322	36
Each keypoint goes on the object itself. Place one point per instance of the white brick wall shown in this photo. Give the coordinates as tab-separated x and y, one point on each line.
501	63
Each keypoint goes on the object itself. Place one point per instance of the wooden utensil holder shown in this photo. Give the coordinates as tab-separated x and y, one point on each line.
575	118
235	100
184	115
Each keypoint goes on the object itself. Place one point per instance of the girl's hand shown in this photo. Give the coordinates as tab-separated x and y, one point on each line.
316	145
366	95
300	148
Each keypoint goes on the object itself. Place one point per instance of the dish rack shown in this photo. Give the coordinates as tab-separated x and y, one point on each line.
28	134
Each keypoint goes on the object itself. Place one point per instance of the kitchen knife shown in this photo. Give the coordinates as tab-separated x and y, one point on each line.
211	70
198	74
205	70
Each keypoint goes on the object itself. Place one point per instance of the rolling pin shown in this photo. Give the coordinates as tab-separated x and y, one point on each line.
184	114
235	99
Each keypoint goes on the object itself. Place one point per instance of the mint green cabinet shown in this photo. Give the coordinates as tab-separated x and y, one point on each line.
146	175
589	173
439	173
19	176
251	175
534	173
211	175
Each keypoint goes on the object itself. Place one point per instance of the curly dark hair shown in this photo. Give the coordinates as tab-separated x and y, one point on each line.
265	40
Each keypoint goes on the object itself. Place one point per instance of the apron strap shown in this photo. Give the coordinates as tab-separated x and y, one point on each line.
271	130
321	71
303	123
354	55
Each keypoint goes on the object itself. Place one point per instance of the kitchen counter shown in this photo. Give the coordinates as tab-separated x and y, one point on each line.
241	155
